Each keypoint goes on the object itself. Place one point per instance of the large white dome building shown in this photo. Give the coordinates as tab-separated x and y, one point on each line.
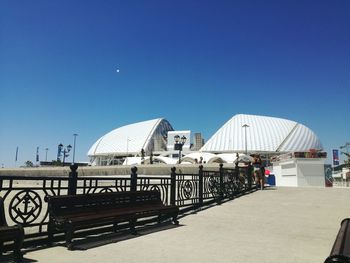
262	134
129	140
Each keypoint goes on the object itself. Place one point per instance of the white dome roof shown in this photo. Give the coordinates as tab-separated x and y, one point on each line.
264	134
130	139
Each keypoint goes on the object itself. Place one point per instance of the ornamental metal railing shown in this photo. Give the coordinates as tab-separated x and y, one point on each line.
25	205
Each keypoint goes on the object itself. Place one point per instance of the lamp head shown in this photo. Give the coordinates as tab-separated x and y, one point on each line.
69	147
176	138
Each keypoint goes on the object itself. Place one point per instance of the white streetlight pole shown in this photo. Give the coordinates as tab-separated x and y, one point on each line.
46	150
127	150
245	126
75	137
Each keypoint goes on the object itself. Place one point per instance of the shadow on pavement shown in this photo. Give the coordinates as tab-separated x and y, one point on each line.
10	259
97	240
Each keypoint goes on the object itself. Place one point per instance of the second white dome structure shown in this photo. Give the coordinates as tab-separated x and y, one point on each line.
253	133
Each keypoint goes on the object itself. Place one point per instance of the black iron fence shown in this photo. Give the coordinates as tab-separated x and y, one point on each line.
24	195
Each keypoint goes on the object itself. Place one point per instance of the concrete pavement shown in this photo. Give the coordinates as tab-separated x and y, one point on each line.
280	225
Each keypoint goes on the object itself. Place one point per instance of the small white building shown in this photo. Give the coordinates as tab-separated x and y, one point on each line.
300	169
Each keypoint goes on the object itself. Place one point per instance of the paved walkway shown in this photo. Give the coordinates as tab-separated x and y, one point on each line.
281	225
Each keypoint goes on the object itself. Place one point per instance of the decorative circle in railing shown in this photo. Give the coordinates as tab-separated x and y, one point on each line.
213	185
156	188
187	189
25	207
229	188
106	190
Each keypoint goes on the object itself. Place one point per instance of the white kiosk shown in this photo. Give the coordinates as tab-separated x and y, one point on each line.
300	169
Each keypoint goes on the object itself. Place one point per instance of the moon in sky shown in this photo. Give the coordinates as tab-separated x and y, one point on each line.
117	70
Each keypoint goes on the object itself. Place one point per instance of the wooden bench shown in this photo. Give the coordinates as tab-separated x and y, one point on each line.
13	234
72	212
341	247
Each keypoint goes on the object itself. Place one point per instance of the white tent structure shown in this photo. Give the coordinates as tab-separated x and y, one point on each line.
223	158
160	159
191	157
262	134
129	140
147	160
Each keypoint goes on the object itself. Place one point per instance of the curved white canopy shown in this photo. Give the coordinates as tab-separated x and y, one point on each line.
261	134
156	159
223	158
190	158
130	139
160	159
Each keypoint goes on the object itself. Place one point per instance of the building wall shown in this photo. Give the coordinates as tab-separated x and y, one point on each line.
285	173
198	141
300	172
311	172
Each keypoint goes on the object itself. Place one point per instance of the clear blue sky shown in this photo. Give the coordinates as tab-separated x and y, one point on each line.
196	63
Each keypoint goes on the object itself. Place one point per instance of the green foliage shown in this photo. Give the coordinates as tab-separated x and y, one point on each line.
28	164
347	162
56	163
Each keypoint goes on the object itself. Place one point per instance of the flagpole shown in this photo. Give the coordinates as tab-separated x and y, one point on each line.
16	156
37	155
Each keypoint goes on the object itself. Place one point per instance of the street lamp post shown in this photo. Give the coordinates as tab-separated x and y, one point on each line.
75	137
46	150
245	126
64	150
178	143
127	150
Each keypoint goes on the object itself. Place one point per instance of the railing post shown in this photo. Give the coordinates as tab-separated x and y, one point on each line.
133	183
173	186
249	174
221	171
200	182
72	180
237	176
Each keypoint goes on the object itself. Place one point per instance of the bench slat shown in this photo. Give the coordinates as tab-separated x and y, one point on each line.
121	214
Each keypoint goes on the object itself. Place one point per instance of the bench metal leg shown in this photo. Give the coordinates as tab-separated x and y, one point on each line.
160	219
69	236
50	229
132	223
115	227
17	249
176	222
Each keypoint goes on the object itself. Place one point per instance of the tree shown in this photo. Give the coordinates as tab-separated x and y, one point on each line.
346	146
347	162
56	162
28	164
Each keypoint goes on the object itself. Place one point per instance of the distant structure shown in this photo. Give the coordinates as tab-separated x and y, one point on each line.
198	141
